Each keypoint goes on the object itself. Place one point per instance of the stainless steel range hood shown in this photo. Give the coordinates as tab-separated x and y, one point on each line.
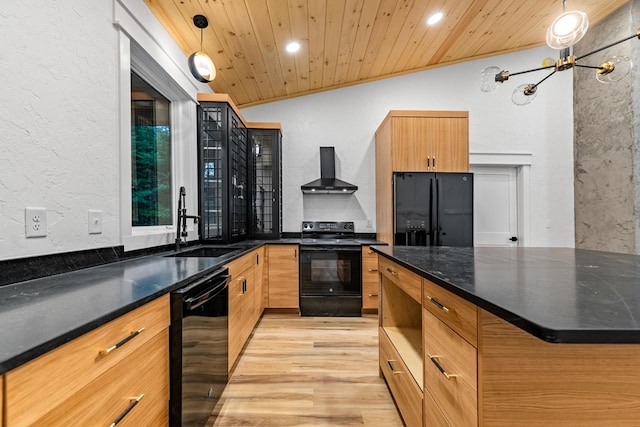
328	183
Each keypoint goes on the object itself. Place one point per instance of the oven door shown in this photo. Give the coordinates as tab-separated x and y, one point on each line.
330	281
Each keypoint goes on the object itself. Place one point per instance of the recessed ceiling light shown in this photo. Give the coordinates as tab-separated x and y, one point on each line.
293	47
435	18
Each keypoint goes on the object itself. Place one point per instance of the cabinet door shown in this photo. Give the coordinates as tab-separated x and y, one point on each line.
449	144
411	146
259	297
370	279
283	276
241	309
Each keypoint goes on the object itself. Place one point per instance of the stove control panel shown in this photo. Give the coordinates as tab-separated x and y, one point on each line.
327	227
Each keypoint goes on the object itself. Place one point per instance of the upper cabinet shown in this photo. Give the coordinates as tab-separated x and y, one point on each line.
239	171
265	180
425	141
222	160
416	141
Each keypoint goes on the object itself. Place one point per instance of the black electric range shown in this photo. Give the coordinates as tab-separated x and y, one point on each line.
330	269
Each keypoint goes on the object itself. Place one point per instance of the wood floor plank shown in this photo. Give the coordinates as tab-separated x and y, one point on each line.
308	371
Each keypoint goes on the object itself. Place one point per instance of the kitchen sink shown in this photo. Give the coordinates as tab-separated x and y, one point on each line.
208	252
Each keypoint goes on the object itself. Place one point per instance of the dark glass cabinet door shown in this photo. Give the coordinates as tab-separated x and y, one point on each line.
222	140
265	148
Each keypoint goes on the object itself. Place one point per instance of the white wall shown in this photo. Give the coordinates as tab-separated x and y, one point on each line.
58	123
347	118
59	116
60	144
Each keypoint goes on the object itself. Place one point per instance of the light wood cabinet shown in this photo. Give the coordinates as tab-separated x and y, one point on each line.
400	335
450	367
244	302
283	276
477	369
416	141
261	281
91	375
370	280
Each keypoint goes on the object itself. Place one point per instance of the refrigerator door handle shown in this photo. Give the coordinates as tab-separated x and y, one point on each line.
436	229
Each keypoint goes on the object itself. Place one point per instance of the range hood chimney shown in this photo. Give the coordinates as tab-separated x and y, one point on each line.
328	183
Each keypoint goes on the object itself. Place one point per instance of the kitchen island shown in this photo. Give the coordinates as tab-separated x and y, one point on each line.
511	336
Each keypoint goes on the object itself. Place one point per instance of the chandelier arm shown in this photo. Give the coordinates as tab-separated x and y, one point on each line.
540	82
610	45
531	70
593	67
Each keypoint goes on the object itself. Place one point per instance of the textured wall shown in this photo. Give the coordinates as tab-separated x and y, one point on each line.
348	118
58	147
605	181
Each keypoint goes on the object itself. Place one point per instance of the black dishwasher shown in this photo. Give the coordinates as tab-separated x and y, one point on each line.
198	342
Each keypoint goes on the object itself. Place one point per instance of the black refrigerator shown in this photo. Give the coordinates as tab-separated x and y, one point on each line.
433	209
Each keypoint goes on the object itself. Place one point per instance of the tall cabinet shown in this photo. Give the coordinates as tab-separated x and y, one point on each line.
240	173
416	141
265	180
222	144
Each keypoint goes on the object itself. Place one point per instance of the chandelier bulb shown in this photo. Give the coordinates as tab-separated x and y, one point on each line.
567	29
524	94
489	80
614	69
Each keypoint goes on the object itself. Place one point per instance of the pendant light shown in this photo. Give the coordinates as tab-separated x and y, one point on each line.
200	64
565	31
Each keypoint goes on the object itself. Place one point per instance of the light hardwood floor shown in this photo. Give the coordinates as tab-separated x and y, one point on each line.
309	371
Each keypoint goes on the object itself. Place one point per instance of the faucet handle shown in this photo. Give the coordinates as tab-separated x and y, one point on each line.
184	233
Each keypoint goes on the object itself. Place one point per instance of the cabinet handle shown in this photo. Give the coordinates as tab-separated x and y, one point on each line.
434	360
374	295
438	304
244	286
134	402
295	253
434	162
428	162
371	270
121	343
393	370
392	271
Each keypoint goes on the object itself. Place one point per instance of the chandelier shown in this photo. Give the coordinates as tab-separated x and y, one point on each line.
565	31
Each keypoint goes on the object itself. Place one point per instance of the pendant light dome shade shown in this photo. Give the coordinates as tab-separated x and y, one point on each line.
202	67
200	64
567	29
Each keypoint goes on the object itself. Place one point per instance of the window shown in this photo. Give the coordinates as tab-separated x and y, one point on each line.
151	189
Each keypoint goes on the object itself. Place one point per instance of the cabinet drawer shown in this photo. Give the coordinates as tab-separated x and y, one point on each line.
241	264
370	294
450	371
144	372
433	416
458	313
45	382
405	390
406	280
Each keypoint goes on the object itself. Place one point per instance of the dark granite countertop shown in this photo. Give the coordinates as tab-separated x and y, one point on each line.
39	315
560	295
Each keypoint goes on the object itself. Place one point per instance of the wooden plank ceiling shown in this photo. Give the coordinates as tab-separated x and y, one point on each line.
346	42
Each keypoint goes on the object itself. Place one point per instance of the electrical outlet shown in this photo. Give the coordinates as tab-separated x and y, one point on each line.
369	223
35	222
95	222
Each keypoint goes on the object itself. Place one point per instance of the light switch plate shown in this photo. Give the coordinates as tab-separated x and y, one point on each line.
35	222
95	221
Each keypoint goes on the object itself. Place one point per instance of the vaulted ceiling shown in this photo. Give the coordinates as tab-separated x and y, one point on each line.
346	42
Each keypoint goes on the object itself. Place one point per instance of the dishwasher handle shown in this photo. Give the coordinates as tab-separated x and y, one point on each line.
207	293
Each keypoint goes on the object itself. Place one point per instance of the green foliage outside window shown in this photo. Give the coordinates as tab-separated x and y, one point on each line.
151	192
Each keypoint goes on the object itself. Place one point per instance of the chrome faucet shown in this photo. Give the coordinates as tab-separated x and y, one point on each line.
181	228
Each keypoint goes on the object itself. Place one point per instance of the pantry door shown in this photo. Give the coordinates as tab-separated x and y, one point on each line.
495	215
